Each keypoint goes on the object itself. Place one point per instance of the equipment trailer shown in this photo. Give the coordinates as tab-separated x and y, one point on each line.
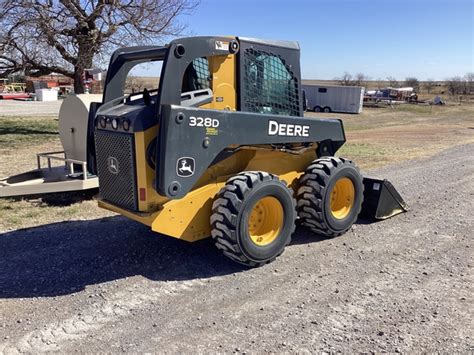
222	148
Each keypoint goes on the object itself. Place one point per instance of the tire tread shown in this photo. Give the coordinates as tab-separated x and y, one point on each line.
311	192
224	214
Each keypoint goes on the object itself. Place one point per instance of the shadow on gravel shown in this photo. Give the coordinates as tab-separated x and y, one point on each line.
59	199
304	235
66	257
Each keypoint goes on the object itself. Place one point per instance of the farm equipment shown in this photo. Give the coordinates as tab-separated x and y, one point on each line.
72	173
221	149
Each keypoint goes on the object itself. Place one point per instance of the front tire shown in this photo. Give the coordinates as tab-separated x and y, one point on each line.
253	218
330	196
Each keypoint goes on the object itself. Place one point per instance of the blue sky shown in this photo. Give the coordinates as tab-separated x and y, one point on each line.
400	38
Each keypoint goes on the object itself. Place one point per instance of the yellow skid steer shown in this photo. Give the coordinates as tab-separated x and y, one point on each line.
222	149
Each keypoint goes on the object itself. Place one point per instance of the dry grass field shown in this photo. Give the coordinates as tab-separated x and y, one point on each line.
381	136
377	137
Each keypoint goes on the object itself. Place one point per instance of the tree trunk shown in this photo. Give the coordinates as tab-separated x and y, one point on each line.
84	61
78	83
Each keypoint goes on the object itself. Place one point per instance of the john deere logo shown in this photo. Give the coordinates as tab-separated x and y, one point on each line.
185	167
113	165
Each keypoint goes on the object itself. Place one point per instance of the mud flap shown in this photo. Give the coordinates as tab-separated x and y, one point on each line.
381	200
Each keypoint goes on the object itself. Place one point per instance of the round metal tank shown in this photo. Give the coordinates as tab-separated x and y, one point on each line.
73	120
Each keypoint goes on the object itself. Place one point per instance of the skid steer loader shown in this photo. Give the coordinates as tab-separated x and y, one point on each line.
221	149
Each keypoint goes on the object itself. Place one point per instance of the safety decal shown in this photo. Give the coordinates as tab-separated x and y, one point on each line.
211	131
222	46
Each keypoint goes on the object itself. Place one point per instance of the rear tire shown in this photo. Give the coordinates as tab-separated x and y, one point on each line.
253	218
317	109
327	109
330	196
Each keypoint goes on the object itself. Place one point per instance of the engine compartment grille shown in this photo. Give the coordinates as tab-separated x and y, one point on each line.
116	168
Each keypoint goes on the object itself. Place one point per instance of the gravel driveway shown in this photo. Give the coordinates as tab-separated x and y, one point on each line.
401	285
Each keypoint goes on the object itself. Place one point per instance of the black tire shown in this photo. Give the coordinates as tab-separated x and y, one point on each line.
232	211
317	188
327	109
317	109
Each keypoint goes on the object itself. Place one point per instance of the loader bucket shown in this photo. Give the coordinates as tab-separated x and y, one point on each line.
381	200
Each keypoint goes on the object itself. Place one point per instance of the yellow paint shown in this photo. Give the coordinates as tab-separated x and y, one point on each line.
145	218
265	221
223	85
188	218
145	174
342	198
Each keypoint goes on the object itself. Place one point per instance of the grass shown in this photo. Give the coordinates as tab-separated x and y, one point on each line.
16	214
382	136
371	155
17	131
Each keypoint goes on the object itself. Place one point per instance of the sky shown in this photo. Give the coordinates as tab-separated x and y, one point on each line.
427	39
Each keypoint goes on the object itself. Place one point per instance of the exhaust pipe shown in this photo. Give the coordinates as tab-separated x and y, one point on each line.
381	200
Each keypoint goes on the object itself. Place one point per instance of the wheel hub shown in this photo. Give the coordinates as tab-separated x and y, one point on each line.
342	198
265	221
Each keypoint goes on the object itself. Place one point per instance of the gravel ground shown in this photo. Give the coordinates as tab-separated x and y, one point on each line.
401	285
29	108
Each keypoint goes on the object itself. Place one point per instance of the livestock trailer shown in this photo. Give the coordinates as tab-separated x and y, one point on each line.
347	99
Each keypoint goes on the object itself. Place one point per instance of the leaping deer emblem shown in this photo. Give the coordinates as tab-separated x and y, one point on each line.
186	168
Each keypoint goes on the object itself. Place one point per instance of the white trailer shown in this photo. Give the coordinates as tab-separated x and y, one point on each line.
347	99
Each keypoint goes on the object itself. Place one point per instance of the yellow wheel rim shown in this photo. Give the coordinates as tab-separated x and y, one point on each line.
265	221
342	198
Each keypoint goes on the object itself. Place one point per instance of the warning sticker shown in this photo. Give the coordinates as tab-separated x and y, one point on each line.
211	131
223	46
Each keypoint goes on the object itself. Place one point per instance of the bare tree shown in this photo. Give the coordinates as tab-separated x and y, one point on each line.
454	85
412	82
379	83
429	85
345	80
133	84
360	79
392	82
67	36
469	78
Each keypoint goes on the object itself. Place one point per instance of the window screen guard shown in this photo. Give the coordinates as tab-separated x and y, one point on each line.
269	84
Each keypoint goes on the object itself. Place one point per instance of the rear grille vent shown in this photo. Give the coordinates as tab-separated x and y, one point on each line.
116	168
